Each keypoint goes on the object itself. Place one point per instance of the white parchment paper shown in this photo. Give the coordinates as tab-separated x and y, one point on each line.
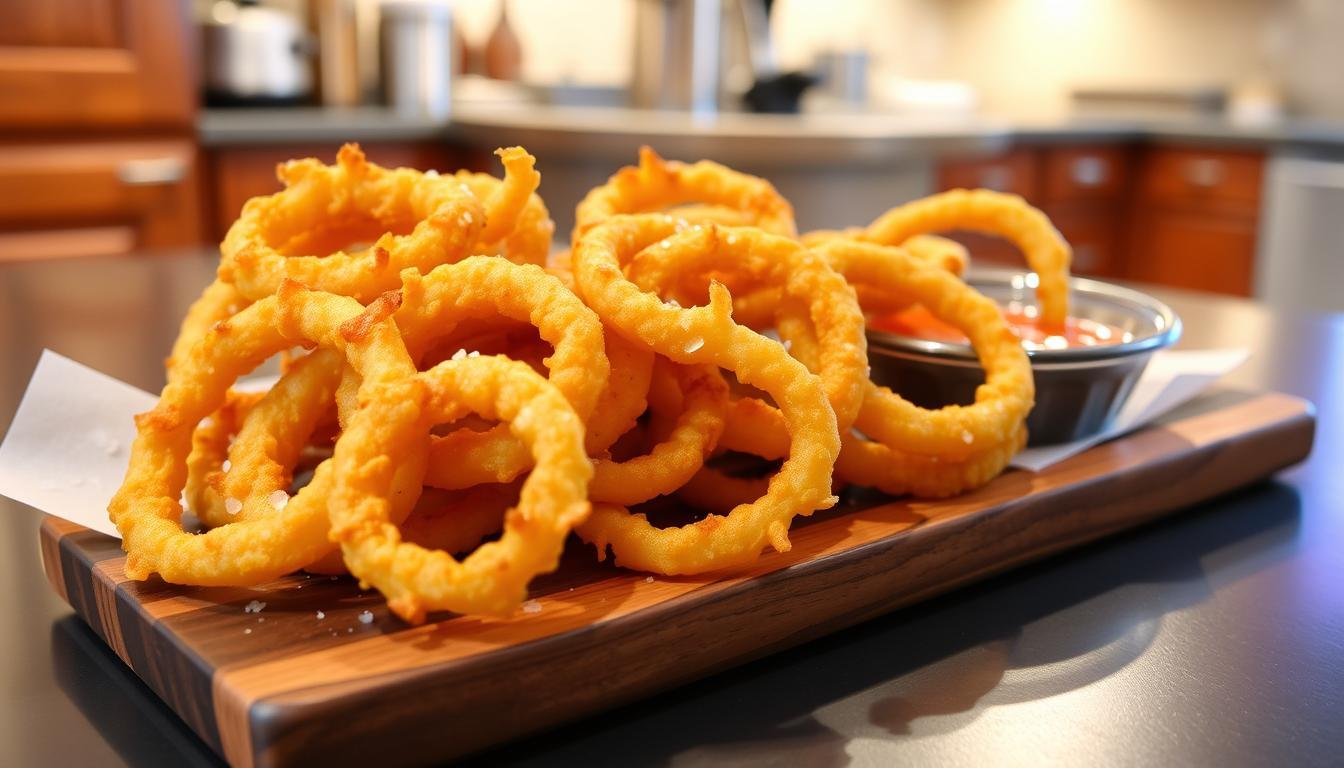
1171	378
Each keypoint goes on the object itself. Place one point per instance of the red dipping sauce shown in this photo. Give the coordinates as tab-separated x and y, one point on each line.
918	322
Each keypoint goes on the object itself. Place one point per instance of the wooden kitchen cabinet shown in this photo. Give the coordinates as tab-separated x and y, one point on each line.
240	173
1193	249
1196	219
96	64
1095	236
1082	188
1172	215
97	128
97	198
1015	172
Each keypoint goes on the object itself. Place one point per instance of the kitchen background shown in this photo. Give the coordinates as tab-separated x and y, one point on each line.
1195	143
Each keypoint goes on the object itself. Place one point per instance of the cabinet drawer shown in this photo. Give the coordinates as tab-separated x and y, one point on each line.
1015	172
1075	174
1094	232
1198	179
1204	252
97	198
75	64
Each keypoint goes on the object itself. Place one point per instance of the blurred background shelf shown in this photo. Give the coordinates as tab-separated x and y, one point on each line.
104	147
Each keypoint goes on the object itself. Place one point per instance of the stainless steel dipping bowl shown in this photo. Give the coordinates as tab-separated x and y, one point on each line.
1078	390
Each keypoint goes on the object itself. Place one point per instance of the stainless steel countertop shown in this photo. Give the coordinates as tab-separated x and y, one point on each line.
761	140
1214	637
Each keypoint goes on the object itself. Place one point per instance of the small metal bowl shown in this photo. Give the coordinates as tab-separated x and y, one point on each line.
1078	390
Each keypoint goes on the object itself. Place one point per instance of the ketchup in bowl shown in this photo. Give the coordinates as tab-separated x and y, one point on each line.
917	322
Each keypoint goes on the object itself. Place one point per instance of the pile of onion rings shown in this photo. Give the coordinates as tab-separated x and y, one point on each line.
456	400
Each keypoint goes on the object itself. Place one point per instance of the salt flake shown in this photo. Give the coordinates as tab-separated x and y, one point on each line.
233	506
254	607
531	606
366	617
278	499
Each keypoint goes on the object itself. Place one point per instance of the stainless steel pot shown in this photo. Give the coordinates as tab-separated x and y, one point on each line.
254	55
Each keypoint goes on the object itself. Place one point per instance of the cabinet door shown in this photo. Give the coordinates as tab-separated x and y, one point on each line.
96	63
1093	231
1084	174
1224	181
97	198
1015	172
1200	251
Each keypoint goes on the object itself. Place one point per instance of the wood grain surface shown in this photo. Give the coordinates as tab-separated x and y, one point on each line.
283	686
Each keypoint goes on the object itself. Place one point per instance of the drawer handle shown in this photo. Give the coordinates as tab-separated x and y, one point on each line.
996	178
152	171
1088	171
1206	173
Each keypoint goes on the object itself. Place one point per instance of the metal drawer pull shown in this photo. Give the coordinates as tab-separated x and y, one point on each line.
996	177
1088	171
1204	173
152	172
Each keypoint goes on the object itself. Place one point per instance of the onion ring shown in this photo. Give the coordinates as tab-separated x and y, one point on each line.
579	367
271	437
494	578
993	213
707	336
146	510
675	458
446	222
656	184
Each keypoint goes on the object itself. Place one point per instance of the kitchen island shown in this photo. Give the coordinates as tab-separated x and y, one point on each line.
1212	637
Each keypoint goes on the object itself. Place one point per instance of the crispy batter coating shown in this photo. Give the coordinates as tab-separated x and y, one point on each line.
298	233
494	578
146	510
715	190
991	213
700	336
486	286
692	436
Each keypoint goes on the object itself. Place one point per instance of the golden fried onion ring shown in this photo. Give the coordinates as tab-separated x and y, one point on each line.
657	184
992	213
707	336
322	205
146	509
494	578
488	286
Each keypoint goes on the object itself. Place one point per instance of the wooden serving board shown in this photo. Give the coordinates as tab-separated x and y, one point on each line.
283	686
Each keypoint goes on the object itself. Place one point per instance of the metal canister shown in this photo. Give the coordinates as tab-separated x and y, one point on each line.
415	43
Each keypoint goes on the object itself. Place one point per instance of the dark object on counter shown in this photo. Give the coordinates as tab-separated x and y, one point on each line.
1149	102
337	51
699	56
253	55
503	52
778	94
1078	390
